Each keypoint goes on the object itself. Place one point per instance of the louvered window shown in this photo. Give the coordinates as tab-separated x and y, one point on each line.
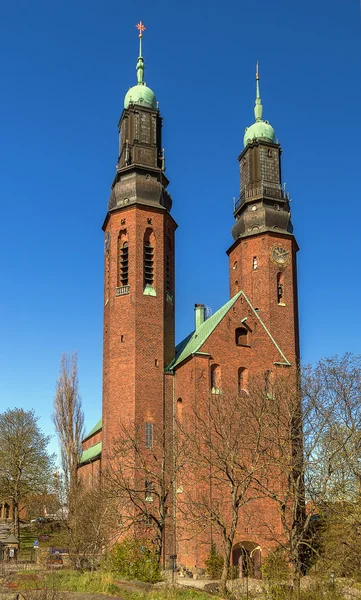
148	264
124	264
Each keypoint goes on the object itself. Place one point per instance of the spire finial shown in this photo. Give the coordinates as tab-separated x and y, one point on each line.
258	109
140	63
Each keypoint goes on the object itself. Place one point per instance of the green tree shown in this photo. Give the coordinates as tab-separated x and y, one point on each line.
25	465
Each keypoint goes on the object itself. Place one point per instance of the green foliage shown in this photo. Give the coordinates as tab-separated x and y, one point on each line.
214	563
275	567
134	560
276	576
233	572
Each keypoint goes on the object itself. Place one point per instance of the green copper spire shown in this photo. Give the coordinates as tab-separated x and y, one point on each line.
140	63
258	109
260	129
140	93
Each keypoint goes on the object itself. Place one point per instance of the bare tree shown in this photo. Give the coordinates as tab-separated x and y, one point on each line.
140	478
68	418
25	465
313	449
91	526
225	462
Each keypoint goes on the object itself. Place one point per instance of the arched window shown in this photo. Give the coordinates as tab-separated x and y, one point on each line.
215	379
280	289
179	409
242	380
241	335
123	258
149	251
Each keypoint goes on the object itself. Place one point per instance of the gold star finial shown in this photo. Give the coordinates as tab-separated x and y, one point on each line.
140	28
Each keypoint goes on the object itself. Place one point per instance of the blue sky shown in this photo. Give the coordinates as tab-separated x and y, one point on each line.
65	68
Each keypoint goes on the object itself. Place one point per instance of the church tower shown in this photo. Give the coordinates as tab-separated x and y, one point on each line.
263	255
138	270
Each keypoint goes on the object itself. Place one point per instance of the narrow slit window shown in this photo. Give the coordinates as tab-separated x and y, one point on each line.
242	380
148	490
215	379
149	435
280	289
255	263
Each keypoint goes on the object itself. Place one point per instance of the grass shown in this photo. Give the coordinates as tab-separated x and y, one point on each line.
99	582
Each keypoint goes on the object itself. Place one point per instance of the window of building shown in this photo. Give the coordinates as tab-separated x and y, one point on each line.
179	409
267	381
241	335
255	263
242	380
123	258
149	435
7	511
280	289
148	491
149	251
215	379
169	273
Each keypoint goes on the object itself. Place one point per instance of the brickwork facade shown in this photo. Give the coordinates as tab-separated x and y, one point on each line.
144	381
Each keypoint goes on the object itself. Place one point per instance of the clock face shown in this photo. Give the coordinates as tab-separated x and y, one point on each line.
279	256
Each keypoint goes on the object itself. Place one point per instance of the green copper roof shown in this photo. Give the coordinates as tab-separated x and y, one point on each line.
195	340
260	129
140	93
91	453
95	429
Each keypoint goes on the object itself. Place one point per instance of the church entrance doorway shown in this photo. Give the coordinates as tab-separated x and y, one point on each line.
247	557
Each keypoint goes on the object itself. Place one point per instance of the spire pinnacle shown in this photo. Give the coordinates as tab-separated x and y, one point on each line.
258	109
140	63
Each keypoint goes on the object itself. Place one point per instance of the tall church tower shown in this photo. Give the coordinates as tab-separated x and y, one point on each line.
263	255
138	270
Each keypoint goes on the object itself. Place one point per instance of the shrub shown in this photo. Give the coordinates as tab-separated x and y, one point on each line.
133	559
214	563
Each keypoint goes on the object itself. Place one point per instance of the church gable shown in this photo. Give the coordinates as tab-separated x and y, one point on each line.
236	324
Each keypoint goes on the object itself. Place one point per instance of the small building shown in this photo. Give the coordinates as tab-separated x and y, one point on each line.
9	548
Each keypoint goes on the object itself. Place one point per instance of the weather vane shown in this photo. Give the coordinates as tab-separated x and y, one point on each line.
140	28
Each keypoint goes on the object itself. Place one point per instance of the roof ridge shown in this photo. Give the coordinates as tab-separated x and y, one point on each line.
287	362
191	344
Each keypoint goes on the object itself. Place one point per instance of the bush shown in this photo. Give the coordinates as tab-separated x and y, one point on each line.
133	559
214	563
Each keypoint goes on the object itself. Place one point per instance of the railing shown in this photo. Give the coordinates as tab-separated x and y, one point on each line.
260	191
122	290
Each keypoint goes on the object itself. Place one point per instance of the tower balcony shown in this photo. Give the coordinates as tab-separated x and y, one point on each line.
258	192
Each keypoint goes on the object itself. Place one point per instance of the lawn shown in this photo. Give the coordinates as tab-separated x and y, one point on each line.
99	583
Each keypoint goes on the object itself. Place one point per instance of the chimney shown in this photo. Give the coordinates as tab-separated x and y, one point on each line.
199	315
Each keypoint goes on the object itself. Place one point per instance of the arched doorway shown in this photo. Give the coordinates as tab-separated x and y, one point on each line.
247	556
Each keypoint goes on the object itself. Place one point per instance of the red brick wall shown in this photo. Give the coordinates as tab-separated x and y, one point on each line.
133	376
259	521
260	286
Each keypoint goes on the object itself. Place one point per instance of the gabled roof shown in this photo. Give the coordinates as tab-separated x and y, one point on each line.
95	429
11	539
91	453
195	340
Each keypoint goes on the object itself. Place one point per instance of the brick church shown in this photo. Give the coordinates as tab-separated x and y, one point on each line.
147	379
